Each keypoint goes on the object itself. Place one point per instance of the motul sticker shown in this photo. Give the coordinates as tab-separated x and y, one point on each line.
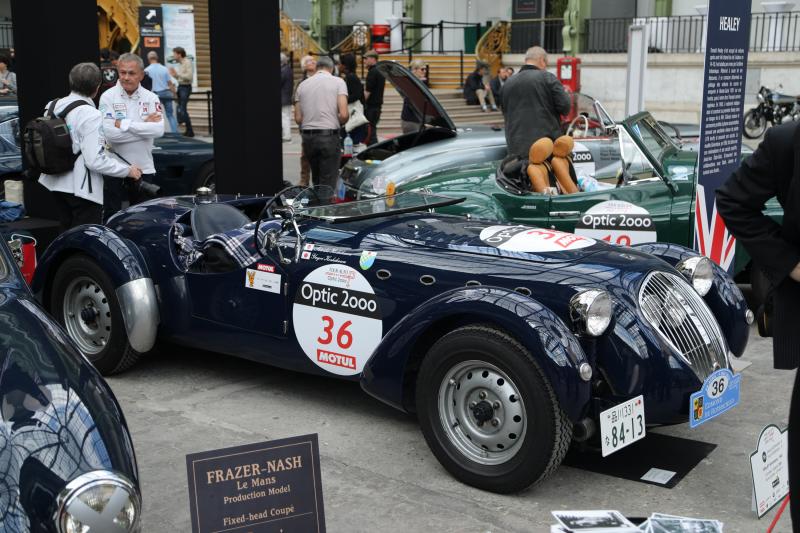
527	239
617	222
337	319
262	281
265	268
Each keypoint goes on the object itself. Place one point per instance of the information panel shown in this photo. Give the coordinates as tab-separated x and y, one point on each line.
727	44
272	486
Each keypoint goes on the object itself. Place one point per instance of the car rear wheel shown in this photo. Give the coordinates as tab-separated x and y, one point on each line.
206	177
488	413
84	301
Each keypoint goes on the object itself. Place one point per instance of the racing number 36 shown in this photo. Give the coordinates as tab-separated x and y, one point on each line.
343	337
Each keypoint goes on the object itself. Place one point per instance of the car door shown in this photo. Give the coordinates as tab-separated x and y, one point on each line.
251	299
625	212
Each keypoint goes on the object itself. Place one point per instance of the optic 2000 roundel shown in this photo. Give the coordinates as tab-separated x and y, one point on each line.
527	239
337	319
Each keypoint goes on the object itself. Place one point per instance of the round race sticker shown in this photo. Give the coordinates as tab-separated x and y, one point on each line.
337	319
617	222
527	239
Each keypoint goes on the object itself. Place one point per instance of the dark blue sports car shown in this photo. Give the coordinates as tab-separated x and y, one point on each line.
66	457
509	342
182	164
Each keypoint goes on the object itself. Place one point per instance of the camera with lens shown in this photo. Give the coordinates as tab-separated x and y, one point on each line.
142	189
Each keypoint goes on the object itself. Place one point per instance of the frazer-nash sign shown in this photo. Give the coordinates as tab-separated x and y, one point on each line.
263	487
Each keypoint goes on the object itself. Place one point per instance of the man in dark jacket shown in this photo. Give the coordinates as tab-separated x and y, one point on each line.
373	95
497	83
533	102
287	84
476	90
773	170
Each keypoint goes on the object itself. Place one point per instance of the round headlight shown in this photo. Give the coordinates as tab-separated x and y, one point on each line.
760	98
699	271
99	501
591	311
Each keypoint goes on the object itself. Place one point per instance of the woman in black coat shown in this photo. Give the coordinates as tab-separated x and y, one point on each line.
355	93
773	170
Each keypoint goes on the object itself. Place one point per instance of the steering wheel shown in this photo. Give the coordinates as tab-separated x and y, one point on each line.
277	205
574	122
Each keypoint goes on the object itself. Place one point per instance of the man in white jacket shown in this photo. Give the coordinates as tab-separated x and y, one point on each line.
79	193
132	118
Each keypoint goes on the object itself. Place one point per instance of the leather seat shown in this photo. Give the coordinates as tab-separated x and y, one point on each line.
209	219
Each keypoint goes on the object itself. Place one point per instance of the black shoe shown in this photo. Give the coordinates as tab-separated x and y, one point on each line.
189	133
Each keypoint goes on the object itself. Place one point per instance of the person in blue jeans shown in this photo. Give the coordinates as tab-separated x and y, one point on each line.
185	75
163	86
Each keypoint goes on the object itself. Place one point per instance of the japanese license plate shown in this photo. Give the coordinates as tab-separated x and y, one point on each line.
622	425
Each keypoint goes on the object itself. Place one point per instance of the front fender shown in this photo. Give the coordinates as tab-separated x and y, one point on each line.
123	262
550	342
725	299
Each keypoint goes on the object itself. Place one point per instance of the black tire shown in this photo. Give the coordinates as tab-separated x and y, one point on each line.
754	124
545	430
206	177
102	339
760	286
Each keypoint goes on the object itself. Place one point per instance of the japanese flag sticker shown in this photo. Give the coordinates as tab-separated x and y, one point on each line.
337	319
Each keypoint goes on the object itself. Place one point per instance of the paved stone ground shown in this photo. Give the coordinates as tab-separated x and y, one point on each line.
378	473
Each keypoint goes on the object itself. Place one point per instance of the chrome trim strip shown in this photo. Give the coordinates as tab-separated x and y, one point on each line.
139	306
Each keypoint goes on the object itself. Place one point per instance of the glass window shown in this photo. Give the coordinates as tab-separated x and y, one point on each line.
9	137
634	160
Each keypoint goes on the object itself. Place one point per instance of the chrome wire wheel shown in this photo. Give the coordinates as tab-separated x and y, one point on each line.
87	315
482	412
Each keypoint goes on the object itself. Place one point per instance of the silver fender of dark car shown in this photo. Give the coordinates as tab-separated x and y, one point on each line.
139	307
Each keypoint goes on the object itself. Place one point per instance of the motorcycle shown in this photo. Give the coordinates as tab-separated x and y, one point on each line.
772	107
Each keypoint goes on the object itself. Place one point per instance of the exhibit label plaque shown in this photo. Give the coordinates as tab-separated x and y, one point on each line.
727	43
770	467
263	487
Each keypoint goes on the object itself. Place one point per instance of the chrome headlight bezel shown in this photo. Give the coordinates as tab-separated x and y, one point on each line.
591	311
699	271
91	480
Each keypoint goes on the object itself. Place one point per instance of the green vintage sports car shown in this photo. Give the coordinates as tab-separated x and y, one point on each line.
641	188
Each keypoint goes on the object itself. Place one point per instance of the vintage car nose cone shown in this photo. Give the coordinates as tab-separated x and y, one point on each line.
483	411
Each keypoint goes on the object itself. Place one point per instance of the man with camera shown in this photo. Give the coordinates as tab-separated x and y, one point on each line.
132	118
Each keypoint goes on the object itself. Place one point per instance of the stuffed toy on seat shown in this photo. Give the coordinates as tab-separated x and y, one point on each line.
538	167
561	164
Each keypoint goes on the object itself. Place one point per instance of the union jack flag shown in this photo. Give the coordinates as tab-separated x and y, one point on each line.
711	237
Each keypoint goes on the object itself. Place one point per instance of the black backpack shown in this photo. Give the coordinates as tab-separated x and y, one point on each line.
47	142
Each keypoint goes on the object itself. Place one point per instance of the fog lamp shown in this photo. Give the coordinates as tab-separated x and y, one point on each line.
591	311
699	271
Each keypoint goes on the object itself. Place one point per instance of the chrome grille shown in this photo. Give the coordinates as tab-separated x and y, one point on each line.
683	319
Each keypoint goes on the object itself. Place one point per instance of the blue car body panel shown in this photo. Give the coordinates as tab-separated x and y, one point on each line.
431	273
59	418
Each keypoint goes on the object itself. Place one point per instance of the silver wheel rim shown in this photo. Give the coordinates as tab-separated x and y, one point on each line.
87	315
482	412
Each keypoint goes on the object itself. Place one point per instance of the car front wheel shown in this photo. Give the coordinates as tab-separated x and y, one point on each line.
487	411
84	301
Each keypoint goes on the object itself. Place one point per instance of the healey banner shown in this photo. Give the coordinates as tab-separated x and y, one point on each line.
727	43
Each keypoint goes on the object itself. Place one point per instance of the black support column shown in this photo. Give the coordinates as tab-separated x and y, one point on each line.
49	39
245	80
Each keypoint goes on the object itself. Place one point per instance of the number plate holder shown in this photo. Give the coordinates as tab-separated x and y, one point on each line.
622	425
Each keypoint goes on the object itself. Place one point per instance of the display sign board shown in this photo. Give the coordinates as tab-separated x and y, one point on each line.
720	393
770	467
638	36
179	31
727	43
151	32
265	487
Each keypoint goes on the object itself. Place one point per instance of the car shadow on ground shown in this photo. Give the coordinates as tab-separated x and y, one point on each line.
182	369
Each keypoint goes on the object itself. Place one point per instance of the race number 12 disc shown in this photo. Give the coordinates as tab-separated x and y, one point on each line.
337	319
